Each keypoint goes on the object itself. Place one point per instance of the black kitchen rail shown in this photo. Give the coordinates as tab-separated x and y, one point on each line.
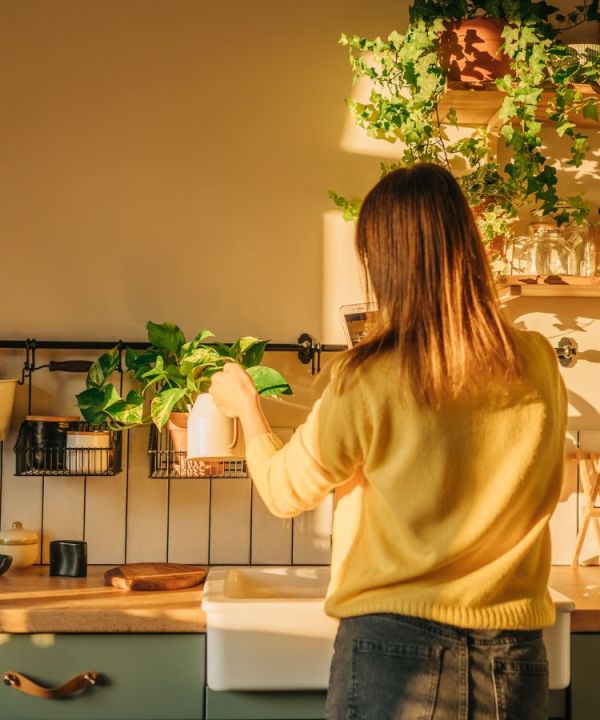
168	463
307	349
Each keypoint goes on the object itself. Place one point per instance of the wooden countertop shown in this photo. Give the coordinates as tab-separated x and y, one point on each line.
33	602
582	586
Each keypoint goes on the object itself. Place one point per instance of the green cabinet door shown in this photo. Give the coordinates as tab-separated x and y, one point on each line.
229	705
144	677
585	676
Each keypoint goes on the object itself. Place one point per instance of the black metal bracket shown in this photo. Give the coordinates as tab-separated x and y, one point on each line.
310	352
567	351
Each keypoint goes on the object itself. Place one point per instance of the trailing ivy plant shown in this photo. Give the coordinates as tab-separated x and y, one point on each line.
173	372
409	84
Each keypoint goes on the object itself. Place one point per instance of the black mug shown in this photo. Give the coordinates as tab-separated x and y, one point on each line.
68	558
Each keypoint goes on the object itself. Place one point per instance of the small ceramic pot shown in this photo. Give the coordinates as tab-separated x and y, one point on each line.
88	453
22	545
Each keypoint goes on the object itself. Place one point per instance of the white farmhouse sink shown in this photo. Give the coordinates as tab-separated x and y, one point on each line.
266	630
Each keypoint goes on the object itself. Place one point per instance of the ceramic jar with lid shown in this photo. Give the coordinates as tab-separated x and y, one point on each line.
22	545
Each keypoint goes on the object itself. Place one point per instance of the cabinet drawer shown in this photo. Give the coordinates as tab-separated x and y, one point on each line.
144	677
232	705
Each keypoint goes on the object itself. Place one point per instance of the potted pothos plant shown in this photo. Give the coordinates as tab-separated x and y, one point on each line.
408	104
173	372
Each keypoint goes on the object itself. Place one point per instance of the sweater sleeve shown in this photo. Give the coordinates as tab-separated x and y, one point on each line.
323	452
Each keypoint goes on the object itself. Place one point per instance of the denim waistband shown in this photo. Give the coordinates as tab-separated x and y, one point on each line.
470	636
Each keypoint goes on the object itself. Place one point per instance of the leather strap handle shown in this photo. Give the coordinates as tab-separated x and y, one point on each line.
80	682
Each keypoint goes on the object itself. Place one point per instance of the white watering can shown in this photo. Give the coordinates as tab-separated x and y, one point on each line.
211	434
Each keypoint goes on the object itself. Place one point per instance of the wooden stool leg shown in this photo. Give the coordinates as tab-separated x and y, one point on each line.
580	539
589	472
584	476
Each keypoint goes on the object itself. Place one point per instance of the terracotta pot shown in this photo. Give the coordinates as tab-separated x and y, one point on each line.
177	425
470	50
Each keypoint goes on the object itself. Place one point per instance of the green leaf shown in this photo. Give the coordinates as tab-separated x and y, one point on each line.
254	354
167	336
94	403
197	341
90	404
590	111
140	361
197	362
268	381
103	368
248	350
155	374
163	404
128	412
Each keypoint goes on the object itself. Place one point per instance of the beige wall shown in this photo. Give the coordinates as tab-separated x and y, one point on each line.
170	159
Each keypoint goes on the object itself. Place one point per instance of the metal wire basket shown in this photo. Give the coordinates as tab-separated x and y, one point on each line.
168	463
31	459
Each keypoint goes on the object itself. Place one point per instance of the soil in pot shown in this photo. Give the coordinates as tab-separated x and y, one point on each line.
470	50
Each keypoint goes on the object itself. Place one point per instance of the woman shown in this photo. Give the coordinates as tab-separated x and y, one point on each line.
442	436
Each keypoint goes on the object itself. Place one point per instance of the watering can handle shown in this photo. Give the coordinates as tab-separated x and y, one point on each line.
235	434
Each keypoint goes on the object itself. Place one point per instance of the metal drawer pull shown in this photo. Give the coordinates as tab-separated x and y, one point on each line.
80	682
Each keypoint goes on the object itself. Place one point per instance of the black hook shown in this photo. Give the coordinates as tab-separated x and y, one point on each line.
307	348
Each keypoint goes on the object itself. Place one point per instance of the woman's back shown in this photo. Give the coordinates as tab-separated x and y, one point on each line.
449	504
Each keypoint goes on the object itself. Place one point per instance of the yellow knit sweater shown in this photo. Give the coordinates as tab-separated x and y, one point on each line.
438	514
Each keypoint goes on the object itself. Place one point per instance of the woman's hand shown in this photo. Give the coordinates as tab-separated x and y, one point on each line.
233	391
234	394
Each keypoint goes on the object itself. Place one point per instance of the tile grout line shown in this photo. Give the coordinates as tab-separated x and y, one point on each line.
126	494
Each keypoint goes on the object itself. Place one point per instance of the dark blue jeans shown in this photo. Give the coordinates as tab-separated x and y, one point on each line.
395	667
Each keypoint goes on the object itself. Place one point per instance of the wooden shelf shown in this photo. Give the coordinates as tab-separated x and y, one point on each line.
478	104
548	286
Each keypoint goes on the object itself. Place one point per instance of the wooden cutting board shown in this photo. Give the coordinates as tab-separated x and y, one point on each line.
154	576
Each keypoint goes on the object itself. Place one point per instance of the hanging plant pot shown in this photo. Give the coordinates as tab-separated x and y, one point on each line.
470	50
177	426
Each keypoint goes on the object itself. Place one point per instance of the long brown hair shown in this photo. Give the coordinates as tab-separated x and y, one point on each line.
426	267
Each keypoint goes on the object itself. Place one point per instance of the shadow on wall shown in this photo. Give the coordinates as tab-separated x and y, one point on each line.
579	319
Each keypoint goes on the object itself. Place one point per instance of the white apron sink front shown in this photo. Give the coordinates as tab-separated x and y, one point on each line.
266	630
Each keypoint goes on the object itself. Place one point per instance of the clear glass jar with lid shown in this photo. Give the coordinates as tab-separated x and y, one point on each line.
581	238
546	252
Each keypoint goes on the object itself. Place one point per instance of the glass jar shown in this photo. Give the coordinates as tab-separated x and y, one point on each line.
547	252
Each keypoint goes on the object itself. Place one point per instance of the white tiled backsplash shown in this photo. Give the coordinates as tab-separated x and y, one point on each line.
130	517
